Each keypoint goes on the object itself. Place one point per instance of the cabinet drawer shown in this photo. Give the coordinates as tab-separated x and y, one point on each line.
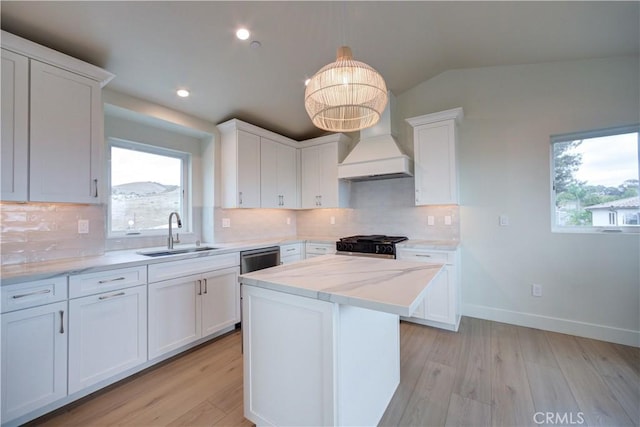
185	267
444	257
290	250
103	281
32	294
320	248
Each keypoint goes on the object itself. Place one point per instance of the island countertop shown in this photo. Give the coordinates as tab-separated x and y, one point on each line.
386	285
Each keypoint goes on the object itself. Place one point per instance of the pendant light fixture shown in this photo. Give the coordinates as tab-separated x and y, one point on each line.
346	95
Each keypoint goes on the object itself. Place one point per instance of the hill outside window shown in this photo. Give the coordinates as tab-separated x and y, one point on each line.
146	184
595	181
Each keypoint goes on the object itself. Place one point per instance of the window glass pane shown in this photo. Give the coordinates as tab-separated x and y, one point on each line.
596	181
145	189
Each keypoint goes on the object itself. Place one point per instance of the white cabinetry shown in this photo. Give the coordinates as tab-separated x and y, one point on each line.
65	124
291	253
15	126
244	166
434	141
186	308
313	362
278	175
320	186
441	304
34	346
314	249
107	328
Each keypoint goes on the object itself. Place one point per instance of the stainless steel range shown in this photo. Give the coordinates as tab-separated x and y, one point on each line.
375	245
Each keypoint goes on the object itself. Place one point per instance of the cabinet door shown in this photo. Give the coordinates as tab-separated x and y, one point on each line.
439	300
34	358
220	300
248	170
174	314
287	176
15	126
328	174
269	192
310	177
66	136
435	164
107	335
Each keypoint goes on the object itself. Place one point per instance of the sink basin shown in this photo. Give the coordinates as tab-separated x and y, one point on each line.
163	252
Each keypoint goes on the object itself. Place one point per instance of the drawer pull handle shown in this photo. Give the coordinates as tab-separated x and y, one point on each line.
102	282
42	291
292	249
62	321
119	294
423	255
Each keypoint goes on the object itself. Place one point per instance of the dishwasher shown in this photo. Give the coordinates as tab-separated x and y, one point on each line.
257	259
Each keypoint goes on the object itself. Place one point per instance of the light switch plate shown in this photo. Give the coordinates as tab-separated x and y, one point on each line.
503	220
431	220
332	220
447	220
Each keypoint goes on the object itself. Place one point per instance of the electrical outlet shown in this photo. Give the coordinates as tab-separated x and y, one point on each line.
288	220
503	220
83	226
447	220
332	220
226	222
431	220
536	290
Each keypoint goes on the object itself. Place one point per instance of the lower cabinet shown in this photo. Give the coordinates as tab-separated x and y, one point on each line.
441	305
313	249
291	252
107	335
185	309
34	358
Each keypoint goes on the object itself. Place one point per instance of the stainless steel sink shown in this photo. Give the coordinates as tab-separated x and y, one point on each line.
163	252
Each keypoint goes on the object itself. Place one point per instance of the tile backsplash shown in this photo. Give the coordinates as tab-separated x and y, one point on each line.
382	207
32	232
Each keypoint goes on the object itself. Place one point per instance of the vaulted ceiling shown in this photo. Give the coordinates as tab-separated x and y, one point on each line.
157	47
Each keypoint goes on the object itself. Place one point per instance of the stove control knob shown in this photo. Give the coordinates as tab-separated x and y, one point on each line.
350	247
340	246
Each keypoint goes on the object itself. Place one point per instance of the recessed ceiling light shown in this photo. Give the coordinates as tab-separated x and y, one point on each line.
242	34
183	93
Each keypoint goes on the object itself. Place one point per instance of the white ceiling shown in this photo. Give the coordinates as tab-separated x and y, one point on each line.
156	47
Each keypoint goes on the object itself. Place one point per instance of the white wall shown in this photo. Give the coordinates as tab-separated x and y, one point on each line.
591	282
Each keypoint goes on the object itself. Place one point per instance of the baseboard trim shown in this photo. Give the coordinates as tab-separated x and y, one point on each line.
554	324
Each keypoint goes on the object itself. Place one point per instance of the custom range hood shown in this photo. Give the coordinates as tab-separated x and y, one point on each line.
377	155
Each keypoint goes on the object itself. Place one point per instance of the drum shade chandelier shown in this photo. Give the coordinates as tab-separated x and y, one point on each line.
346	95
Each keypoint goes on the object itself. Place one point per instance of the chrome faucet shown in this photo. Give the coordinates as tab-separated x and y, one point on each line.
170	238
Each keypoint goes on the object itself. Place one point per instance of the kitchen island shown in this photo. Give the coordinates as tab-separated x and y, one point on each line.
321	338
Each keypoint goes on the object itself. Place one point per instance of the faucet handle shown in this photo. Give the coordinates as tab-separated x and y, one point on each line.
177	239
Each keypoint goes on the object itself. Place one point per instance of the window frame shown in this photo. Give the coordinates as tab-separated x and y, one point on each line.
597	133
185	178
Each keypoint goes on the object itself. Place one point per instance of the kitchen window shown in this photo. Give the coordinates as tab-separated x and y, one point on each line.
595	181
146	184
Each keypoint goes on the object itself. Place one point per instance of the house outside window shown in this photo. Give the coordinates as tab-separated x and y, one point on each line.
147	183
595	181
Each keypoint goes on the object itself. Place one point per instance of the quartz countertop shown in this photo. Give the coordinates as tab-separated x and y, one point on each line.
436	245
386	285
18	273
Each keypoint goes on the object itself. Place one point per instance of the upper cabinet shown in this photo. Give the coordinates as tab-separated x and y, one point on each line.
15	126
435	150
64	123
259	167
278	175
320	186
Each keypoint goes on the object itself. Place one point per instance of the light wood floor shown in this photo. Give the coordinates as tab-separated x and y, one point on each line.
486	374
